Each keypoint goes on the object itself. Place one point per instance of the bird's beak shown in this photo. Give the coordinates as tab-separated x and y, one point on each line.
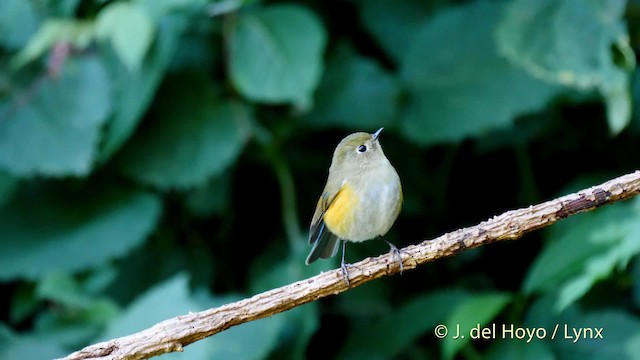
377	133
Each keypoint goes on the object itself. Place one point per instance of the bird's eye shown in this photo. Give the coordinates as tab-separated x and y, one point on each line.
362	148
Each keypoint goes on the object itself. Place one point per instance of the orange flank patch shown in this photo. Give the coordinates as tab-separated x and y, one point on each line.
339	216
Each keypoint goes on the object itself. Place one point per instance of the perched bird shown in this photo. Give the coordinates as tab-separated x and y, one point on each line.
361	200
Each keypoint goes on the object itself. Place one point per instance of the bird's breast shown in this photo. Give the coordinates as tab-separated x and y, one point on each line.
366	206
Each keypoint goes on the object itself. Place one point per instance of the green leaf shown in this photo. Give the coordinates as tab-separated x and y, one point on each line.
548	37
620	331
476	311
18	22
401	327
159	9
509	349
618	103
56	229
48	129
75	32
8	186
355	92
129	29
172	298
585	249
194	52
275	53
99	279
13	346
75	327
394	26
62	288
134	91
168	299
194	137
459	85
620	336
161	258
60	8
222	7
24	303
564	255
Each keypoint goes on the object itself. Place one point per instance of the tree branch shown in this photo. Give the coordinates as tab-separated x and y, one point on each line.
173	334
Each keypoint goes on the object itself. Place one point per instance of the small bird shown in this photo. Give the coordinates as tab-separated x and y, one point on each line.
361	200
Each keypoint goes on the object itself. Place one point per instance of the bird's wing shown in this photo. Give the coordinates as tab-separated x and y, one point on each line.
325	244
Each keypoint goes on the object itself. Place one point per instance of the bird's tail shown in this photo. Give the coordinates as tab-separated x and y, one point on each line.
325	245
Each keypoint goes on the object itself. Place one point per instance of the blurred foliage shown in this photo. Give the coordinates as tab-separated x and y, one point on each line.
164	156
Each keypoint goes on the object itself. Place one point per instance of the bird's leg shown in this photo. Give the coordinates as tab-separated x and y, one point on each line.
396	254
343	265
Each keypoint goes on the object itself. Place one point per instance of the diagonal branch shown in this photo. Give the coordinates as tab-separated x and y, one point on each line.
173	334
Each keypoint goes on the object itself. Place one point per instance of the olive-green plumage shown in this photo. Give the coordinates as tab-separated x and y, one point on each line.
361	200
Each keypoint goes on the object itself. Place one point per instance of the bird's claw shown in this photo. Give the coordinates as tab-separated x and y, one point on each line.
397	254
345	273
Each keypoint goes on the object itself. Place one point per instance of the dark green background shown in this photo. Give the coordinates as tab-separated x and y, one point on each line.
165	156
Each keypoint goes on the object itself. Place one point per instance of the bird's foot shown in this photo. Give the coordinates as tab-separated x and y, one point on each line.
397	254
345	273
